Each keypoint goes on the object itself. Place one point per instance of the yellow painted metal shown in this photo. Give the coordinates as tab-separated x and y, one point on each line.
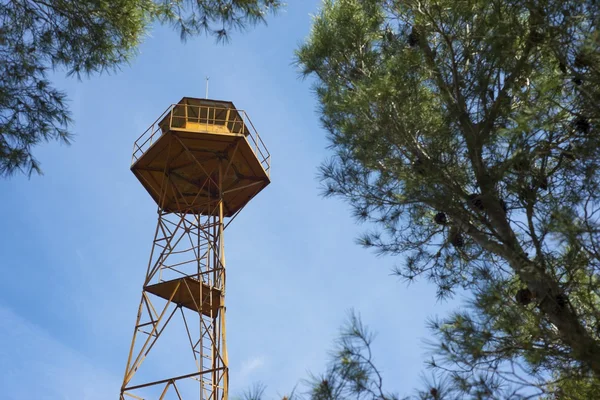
201	161
197	126
193	137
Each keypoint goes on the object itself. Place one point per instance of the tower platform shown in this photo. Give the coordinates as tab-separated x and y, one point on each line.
192	145
189	293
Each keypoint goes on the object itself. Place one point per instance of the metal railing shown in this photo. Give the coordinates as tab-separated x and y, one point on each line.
189	117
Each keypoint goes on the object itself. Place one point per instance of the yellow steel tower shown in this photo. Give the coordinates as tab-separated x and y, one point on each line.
201	161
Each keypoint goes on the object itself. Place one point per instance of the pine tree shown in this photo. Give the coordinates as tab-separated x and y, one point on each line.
466	134
85	37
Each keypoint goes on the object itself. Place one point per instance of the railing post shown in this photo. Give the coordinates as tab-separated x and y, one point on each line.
171	112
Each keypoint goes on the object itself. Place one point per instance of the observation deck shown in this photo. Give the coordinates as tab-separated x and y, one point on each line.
199	151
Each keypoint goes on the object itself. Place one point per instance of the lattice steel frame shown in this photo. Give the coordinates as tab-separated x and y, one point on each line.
195	271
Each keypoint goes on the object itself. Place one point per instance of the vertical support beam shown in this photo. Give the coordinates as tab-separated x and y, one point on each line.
222	279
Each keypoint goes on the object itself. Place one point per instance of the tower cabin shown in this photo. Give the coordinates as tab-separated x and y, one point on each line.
199	151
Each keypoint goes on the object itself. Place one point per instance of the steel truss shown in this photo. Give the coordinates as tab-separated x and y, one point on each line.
185	279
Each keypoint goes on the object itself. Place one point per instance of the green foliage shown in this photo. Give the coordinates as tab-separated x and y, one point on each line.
486	111
85	37
575	387
256	392
352	371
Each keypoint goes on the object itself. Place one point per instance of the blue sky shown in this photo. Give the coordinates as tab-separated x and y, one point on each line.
75	242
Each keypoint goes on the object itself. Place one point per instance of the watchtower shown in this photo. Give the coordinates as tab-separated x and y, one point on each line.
202	161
